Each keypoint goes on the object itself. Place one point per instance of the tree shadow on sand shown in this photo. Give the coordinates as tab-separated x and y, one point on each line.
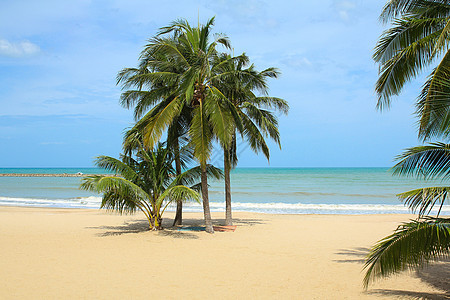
139	226
436	275
357	255
127	227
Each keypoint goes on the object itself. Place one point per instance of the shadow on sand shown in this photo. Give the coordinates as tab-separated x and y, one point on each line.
357	255
436	275
139	226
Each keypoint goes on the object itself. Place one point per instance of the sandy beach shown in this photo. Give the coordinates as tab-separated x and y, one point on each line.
91	254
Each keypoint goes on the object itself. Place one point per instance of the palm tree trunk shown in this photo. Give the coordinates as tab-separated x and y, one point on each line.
227	167
206	211
179	214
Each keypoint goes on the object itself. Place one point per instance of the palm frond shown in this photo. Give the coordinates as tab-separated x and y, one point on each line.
125	74
119	194
121	185
423	200
271	103
265	120
158	119
254	137
442	41
201	135
408	32
434	102
117	166
412	245
143	100
428	162
419	33
192	176
396	8
222	115
402	66
178	193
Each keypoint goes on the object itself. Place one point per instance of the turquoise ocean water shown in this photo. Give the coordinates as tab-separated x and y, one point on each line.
267	190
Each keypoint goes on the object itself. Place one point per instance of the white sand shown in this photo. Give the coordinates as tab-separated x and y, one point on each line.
90	254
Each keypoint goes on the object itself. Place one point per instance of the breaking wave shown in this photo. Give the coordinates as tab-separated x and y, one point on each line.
272	208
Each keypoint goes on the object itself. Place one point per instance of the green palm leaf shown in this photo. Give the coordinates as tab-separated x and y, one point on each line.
220	114
402	67
254	136
201	135
418	35
263	119
271	103
412	245
429	161
119	194
433	102
123	186
157	120
192	176
117	166
178	193
423	200
395	8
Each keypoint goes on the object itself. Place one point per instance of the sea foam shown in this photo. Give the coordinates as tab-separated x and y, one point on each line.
93	202
265	190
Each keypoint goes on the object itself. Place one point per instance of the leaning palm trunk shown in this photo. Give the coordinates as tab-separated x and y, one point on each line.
179	213
227	168
206	211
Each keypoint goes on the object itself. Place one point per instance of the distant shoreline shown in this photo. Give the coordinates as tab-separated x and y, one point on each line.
45	175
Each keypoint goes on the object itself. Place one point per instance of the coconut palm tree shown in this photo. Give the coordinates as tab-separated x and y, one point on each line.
418	39
146	182
426	239
192	89
238	81
176	144
144	91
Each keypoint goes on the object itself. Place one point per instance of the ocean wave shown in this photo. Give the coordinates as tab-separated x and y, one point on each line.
78	202
292	193
301	208
273	208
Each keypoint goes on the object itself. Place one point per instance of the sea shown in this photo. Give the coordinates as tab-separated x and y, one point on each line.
263	190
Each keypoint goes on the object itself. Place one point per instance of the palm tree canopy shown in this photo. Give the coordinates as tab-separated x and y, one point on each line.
145	182
178	75
239	83
418	38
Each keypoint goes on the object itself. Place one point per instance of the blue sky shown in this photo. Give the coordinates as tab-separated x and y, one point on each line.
59	59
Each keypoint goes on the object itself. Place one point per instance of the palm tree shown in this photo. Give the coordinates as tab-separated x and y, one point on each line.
146	182
144	91
191	89
239	85
426	239
418	38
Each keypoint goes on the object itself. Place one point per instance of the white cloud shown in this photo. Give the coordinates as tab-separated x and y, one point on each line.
297	61
344	8
18	49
